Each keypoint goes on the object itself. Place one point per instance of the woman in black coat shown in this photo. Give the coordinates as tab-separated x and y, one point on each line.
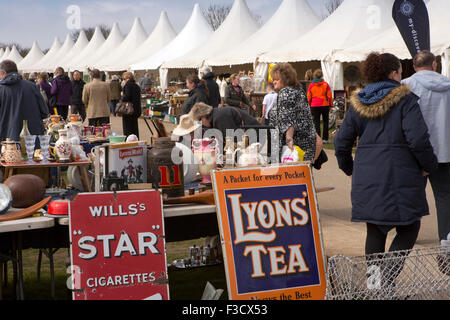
198	92
131	93
393	156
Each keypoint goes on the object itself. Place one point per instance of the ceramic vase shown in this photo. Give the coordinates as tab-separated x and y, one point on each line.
63	147
205	155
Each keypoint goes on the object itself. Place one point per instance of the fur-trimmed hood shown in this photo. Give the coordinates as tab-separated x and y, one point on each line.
382	107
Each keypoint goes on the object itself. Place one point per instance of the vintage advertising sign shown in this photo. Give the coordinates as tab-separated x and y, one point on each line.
118	247
271	234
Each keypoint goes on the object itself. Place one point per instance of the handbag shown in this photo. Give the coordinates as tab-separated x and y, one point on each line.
124	109
321	155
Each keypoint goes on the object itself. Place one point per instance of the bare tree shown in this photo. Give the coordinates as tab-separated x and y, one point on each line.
331	6
22	50
106	30
216	14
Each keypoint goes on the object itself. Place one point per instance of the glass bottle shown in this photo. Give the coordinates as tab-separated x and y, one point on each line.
25	132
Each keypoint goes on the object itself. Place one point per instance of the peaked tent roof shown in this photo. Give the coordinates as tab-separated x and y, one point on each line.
237	27
196	32
293	19
391	40
53	63
14	55
2	52
113	41
133	41
32	57
77	49
161	36
94	45
6	54
354	21
54	49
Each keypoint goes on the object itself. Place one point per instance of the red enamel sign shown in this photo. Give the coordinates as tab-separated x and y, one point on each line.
118	246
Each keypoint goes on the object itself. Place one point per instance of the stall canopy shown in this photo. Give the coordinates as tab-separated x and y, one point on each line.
354	21
31	58
292	19
6	54
196	32
51	64
135	38
237	27
79	46
391	40
14	55
113	41
52	52
161	36
77	63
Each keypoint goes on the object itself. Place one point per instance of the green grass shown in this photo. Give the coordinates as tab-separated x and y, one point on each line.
183	284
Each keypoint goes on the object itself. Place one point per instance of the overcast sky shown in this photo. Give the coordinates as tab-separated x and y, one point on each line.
24	21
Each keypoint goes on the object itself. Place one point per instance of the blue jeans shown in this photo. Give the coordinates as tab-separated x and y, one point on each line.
112	106
440	182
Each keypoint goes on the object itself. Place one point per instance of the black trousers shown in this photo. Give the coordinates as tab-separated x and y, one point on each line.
317	114
79	109
63	111
376	242
130	126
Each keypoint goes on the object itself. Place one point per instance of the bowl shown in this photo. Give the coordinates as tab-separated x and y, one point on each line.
58	208
117	139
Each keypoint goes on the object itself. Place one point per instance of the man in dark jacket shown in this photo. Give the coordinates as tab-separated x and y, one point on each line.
222	119
76	102
62	89
213	88
19	100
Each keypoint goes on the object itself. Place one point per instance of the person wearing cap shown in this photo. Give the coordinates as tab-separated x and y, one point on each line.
222	119
213	88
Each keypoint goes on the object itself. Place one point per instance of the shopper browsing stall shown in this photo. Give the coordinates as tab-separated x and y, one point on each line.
393	156
96	96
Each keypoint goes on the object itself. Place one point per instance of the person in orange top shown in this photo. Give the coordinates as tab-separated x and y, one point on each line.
320	100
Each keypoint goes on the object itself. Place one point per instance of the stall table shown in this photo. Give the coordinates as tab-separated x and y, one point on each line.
82	166
16	228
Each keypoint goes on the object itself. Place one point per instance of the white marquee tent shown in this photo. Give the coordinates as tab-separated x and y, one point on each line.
113	41
135	38
31	58
6	54
391	40
2	52
52	52
14	55
81	43
237	27
195	33
161	36
77	63
293	19
353	22
52	63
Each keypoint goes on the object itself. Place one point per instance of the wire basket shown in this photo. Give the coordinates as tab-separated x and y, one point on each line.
420	274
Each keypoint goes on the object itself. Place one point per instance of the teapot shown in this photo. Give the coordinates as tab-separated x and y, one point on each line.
11	152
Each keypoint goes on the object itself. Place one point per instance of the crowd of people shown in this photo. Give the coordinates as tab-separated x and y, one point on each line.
401	128
95	101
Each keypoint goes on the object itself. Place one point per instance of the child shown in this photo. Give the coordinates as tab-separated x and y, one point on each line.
269	101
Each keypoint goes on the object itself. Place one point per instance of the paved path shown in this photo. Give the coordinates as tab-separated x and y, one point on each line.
340	235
